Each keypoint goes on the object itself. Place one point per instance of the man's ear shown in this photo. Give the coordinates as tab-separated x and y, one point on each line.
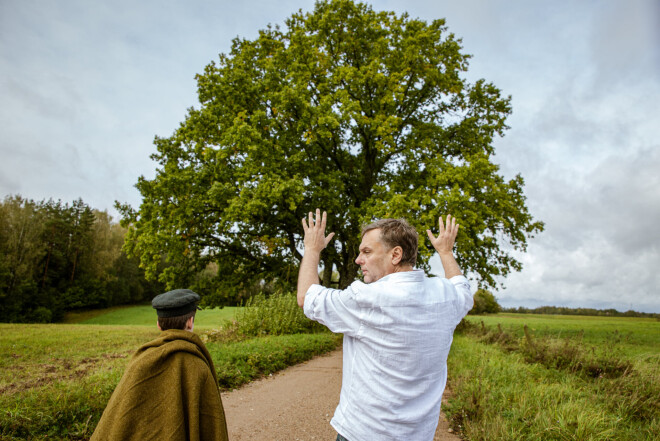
190	323
397	254
158	324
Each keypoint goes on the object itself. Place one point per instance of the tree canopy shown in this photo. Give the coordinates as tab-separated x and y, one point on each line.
56	257
362	113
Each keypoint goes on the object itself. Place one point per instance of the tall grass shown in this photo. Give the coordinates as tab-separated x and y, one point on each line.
516	384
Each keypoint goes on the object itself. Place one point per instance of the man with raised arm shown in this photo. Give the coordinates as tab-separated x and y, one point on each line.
398	327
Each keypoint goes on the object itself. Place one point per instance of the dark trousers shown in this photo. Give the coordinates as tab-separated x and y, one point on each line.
341	438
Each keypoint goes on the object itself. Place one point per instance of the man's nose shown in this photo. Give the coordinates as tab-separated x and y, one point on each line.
358	259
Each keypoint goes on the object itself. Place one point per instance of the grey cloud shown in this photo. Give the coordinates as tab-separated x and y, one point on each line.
625	39
59	101
626	196
601	240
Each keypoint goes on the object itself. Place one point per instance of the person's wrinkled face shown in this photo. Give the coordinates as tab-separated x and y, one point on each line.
375	259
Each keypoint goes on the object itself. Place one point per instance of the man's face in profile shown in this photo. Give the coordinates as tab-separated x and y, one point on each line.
375	259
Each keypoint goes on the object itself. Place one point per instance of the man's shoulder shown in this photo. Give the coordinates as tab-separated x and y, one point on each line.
172	343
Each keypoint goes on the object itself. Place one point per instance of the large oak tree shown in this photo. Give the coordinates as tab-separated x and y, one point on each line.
362	113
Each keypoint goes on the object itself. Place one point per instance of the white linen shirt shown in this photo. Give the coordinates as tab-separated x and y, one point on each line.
397	335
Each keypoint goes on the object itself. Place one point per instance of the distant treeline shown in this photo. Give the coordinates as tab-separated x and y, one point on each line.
56	257
561	310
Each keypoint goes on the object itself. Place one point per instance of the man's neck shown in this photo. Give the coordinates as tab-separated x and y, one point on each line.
403	268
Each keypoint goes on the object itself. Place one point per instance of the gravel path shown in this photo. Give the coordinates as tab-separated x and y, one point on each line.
294	404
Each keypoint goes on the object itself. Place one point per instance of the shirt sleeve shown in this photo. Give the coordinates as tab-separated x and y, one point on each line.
465	299
334	308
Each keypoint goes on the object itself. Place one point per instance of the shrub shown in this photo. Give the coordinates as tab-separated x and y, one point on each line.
485	303
40	315
278	314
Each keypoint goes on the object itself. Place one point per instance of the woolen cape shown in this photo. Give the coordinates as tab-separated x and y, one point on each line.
168	392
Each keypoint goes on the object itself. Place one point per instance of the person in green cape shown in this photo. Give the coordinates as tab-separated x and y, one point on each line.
170	389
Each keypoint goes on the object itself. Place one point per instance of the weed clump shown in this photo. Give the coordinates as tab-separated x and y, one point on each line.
277	314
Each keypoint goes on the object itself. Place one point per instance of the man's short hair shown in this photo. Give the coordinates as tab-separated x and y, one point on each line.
397	232
177	322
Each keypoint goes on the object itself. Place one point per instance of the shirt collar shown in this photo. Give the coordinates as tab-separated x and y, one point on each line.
415	275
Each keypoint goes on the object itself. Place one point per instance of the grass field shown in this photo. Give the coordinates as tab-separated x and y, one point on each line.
640	334
145	315
504	389
55	380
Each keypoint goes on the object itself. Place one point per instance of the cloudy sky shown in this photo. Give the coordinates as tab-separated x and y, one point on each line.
86	85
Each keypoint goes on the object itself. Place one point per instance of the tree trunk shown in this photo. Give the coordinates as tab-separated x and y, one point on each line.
75	261
43	282
348	269
327	273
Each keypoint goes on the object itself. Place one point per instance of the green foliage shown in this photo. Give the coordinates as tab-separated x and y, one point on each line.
277	314
365	114
485	303
57	257
599	384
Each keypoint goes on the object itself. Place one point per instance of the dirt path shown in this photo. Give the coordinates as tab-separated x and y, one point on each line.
295	404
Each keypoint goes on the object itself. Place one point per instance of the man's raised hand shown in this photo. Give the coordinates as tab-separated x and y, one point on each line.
315	239
444	243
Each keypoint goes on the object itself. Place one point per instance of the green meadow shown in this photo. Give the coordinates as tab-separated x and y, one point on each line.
566	378
145	315
56	379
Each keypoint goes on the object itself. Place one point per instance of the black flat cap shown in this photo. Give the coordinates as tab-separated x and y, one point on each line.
175	303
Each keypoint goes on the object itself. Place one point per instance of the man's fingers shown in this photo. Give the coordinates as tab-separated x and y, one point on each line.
431	236
329	238
454	227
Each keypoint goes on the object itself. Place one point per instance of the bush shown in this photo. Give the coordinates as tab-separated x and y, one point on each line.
485	303
278	314
40	315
